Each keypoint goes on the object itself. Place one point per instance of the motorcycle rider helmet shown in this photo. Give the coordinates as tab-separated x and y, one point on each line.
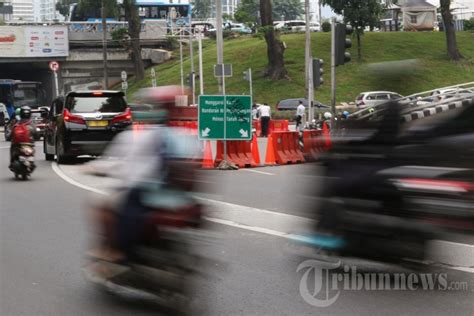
345	114
25	112
327	115
17	111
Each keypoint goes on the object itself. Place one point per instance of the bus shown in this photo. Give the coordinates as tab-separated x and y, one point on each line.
17	93
176	14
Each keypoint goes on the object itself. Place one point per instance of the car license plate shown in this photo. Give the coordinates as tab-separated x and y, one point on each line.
97	123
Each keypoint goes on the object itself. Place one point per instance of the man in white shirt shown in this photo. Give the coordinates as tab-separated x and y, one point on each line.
300	115
265	115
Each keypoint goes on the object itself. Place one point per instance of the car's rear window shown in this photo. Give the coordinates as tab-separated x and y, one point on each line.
94	103
360	97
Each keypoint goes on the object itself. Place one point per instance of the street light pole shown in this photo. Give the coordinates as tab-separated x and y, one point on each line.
104	45
219	39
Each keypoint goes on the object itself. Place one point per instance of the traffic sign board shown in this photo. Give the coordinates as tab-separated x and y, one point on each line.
124	75
225	120
124	85
54	66
227	70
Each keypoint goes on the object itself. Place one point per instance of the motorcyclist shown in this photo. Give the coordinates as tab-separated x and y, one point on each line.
145	158
24	117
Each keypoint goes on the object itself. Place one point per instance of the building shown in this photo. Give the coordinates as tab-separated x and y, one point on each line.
34	10
6	10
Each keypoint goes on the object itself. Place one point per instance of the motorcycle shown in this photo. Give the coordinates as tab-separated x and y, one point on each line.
24	164
162	261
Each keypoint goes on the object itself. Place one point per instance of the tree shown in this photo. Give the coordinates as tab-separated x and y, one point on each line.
288	9
247	11
63	6
134	29
451	42
275	48
359	14
202	9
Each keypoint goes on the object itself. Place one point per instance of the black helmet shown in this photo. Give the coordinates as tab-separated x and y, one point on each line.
25	112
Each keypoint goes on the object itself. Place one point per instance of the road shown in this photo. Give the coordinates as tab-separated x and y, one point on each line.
252	259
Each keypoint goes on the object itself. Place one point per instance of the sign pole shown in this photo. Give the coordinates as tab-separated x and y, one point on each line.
225	114
201	75
181	62
56	83
251	82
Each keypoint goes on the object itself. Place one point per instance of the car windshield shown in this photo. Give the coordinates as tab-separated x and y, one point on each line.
93	103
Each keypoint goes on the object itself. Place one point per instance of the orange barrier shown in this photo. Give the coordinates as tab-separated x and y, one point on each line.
270	154
278	126
238	152
314	144
258	127
273	126
327	136
285	148
255	151
207	161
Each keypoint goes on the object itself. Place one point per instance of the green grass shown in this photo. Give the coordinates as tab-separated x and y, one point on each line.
428	47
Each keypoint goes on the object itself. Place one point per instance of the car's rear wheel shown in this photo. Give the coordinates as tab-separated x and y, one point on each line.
61	157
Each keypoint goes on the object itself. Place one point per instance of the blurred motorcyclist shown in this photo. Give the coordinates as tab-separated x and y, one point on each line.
146	156
24	119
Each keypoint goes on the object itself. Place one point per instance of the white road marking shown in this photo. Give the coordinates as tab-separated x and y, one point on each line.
262	230
69	180
246	227
260	172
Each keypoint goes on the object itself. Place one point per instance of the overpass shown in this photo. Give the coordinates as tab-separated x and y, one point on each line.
27	49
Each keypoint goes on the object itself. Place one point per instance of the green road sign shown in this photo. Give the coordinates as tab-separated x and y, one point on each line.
229	121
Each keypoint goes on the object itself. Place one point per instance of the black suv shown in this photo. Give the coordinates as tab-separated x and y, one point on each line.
84	123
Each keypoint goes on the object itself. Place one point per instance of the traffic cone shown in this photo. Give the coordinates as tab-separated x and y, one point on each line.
327	136
270	155
255	151
207	162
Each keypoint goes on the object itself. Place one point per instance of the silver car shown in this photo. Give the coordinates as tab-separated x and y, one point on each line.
373	98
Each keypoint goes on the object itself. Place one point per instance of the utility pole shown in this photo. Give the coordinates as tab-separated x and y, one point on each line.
307	54
104	45
191	55
219	38
308	61
333	69
181	62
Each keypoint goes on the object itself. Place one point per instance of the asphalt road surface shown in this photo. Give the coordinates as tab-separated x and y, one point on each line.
253	261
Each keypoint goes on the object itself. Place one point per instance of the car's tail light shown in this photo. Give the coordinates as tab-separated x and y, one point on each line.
434	185
361	103
70	118
125	116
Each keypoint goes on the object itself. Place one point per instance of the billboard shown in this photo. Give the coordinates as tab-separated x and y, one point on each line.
34	41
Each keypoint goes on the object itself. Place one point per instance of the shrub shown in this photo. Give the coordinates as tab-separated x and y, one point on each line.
326	27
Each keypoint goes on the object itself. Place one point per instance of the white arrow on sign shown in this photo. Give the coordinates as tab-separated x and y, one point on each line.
244	134
205	132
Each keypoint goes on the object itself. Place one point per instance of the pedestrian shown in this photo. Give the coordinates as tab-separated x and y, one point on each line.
254	112
264	111
300	115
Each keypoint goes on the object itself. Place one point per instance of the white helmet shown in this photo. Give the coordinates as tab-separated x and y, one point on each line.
327	115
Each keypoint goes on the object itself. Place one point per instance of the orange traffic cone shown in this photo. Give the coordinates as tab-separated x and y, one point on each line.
327	136
270	155
255	151
207	161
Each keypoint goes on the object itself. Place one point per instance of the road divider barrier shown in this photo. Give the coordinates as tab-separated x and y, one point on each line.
314	144
284	148
273	126
238	152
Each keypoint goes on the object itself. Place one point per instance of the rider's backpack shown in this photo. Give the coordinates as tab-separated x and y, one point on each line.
21	133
